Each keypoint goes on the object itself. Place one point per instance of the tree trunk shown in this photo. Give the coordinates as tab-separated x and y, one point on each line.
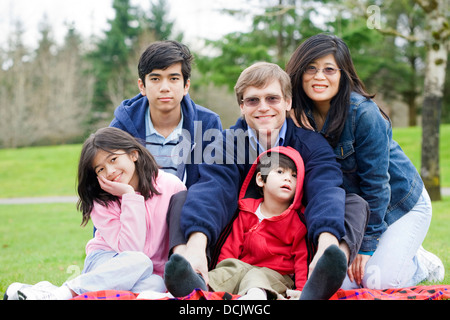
437	49
411	95
430	146
412	108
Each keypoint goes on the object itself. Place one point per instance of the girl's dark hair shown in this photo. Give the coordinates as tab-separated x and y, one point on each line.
312	49
111	140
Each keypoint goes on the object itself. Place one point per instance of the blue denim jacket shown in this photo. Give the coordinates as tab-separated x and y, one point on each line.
375	167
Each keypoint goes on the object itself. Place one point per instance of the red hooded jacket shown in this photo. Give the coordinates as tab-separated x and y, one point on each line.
278	243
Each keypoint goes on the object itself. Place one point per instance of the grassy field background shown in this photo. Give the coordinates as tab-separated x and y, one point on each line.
45	241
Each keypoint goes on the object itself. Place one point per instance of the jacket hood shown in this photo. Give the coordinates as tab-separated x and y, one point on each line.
249	191
131	111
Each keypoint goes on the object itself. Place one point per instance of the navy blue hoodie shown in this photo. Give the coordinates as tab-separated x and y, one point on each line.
130	117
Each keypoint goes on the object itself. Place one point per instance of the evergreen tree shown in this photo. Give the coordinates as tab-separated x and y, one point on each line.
116	57
110	58
158	21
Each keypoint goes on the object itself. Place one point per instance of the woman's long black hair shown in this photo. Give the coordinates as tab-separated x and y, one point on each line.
312	49
111	140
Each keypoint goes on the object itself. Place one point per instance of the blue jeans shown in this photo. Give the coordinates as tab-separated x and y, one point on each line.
394	263
109	270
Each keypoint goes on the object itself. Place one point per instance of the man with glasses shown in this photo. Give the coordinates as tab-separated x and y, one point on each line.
264	95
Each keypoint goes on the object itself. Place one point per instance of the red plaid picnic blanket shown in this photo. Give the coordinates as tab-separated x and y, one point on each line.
435	292
197	294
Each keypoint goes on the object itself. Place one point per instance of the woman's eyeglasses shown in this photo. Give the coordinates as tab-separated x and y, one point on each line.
328	71
256	101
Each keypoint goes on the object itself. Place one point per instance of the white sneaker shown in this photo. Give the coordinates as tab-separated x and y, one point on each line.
432	263
13	289
41	291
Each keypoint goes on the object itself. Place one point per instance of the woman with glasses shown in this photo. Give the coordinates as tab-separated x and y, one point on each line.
329	97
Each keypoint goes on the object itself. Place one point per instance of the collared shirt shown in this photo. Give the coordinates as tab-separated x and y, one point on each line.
160	147
254	143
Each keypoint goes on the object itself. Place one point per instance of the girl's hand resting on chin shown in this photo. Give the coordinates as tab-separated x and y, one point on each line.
115	188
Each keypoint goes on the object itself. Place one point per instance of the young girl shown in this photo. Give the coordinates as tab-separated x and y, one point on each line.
125	194
329	97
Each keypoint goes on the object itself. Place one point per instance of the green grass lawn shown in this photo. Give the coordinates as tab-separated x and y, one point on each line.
39	171
45	241
50	171
410	141
41	242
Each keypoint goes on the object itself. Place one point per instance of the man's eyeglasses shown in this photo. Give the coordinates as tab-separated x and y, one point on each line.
328	71
256	101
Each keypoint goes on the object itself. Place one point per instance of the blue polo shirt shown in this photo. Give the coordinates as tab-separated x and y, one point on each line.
160	147
254	143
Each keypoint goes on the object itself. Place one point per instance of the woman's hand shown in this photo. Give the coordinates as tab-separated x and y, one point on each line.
356	270
115	188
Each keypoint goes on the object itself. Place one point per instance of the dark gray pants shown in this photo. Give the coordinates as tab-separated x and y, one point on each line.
357	213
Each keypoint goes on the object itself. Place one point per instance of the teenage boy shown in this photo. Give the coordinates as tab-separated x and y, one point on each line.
163	115
264	94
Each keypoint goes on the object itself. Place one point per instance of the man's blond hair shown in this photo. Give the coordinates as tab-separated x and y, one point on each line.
260	75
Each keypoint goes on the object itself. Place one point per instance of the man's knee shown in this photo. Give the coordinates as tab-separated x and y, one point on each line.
356	218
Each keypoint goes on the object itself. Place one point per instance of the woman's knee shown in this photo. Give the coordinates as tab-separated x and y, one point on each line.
379	278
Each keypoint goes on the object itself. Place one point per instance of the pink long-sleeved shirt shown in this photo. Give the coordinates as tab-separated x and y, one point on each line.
135	224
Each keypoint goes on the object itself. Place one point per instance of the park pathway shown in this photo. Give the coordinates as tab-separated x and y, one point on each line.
56	199
73	199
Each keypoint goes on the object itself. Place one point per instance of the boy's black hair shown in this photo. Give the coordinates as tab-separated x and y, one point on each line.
163	54
272	160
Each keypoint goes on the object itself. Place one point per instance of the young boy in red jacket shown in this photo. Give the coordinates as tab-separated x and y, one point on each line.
267	243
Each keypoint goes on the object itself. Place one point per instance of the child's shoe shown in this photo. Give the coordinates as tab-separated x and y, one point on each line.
13	289
41	291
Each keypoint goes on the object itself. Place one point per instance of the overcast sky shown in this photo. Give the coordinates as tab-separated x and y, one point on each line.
198	19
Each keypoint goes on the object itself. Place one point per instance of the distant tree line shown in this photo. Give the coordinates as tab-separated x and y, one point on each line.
59	93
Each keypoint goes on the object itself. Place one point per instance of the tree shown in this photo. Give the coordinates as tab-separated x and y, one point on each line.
158	22
43	83
395	66
434	34
45	94
437	40
15	83
411	21
110	58
446	103
276	31
116	57
73	90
